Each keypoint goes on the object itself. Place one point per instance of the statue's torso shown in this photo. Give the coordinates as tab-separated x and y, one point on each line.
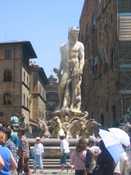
74	58
74	51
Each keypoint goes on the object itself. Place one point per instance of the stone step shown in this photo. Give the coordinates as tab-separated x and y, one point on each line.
49	163
53	171
125	28
48	160
52	152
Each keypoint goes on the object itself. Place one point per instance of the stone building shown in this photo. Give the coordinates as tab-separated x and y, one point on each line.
22	86
15	79
38	82
52	95
105	30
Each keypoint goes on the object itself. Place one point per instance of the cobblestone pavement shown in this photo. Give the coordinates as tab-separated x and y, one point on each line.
51	172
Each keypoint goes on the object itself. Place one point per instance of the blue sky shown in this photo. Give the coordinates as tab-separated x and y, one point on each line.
43	22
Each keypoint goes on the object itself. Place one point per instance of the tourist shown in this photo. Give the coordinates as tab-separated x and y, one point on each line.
38	154
95	151
12	147
10	144
64	148
23	152
14	135
90	161
122	166
78	157
7	156
105	162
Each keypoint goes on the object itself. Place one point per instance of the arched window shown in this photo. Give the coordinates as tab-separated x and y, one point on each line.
114	113
7	75
7	99
102	119
24	99
8	53
124	6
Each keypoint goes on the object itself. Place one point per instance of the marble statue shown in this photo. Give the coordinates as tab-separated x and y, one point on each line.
62	75
70	72
75	66
43	125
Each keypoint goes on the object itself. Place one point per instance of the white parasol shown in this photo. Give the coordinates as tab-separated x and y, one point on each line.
120	135
112	144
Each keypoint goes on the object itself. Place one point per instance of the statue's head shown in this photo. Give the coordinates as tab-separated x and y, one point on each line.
66	118
73	34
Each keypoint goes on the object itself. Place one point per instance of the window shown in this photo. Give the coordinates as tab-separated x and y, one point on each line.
114	113
24	100
94	20
112	58
102	119
7	75
8	53
7	99
27	81
1	114
111	18
24	76
124	6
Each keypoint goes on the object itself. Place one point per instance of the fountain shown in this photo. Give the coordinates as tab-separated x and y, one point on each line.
69	120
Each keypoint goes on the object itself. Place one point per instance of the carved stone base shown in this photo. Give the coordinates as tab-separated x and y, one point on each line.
70	122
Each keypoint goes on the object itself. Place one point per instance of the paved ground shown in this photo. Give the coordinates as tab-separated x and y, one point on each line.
51	172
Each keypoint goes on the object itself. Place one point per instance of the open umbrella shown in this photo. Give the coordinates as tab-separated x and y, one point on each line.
112	144
120	135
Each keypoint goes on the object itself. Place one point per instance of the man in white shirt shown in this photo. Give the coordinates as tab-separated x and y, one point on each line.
122	166
64	148
38	153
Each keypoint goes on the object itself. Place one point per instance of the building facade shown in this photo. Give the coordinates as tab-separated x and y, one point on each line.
22	91
38	101
105	30
52	95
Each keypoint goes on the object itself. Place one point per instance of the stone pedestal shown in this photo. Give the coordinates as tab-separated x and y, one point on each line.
71	123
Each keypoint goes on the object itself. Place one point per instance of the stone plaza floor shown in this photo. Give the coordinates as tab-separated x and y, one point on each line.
53	171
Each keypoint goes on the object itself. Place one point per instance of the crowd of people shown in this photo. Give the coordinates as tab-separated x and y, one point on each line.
14	152
91	157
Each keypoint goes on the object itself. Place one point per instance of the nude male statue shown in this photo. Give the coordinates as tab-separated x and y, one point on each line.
70	71
62	74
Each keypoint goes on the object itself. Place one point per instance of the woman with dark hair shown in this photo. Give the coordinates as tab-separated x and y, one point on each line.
78	157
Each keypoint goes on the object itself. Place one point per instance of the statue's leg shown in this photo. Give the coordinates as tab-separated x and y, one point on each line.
66	97
78	105
61	95
76	93
62	86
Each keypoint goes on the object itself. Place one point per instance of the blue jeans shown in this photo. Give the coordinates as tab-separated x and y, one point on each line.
63	159
38	161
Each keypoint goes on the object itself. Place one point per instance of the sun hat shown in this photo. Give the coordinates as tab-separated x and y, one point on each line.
37	138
